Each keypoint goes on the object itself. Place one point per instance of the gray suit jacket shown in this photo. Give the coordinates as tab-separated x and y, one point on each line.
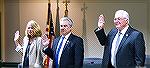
131	51
35	52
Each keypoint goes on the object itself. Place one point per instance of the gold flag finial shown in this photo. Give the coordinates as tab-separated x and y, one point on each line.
66	6
49	1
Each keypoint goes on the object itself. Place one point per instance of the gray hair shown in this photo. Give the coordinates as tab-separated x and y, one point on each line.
67	19
123	14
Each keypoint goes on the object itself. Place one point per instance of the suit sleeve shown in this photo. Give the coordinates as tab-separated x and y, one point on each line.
49	52
79	53
101	36
140	50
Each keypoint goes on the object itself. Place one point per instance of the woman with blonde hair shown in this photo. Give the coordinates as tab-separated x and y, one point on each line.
32	45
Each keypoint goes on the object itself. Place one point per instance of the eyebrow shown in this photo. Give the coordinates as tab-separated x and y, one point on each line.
63	25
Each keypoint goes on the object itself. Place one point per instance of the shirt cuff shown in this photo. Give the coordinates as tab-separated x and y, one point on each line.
98	29
18	48
36	65
45	48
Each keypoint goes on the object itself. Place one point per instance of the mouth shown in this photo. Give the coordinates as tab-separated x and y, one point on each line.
117	23
30	32
62	30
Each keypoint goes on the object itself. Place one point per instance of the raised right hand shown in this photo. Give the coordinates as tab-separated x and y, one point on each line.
101	21
45	40
16	38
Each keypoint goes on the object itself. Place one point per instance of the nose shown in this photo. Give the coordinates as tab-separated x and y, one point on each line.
117	22
30	29
61	28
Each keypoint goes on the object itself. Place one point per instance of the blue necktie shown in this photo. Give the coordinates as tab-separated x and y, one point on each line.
57	52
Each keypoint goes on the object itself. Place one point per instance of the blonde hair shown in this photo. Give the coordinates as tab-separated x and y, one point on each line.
36	28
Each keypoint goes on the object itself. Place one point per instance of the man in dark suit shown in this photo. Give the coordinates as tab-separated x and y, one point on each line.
124	47
67	50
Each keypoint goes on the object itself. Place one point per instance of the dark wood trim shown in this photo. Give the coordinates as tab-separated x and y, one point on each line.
0	37
9	64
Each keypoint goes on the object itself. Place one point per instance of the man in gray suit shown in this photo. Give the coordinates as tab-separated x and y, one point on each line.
124	47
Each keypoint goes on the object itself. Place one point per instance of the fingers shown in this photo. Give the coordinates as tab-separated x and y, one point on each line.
44	36
101	18
45	40
101	21
16	36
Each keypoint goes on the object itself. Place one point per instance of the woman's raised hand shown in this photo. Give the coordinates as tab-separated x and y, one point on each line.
16	38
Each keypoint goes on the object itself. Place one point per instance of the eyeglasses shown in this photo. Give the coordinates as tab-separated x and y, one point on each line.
119	18
63	25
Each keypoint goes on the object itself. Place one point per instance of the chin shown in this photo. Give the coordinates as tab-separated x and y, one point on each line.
118	27
63	33
29	34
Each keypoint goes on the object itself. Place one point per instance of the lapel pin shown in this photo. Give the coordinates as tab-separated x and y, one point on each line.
126	34
67	42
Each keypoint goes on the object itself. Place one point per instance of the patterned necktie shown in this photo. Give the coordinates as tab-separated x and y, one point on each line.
116	49
57	52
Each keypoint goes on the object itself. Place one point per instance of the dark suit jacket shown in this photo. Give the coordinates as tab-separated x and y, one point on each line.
72	55
131	51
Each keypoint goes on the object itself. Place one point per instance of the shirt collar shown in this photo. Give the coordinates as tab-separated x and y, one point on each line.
124	30
67	36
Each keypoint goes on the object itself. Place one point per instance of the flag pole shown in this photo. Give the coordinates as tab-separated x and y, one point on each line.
50	32
57	28
66	6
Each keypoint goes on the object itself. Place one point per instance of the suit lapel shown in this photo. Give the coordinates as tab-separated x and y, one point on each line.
55	44
126	35
114	32
68	42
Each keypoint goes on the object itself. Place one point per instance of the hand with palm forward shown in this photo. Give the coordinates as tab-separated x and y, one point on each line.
16	38
101	21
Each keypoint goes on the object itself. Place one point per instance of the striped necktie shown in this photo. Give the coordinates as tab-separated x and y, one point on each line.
57	52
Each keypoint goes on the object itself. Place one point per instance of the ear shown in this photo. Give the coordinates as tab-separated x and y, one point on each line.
70	26
127	20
